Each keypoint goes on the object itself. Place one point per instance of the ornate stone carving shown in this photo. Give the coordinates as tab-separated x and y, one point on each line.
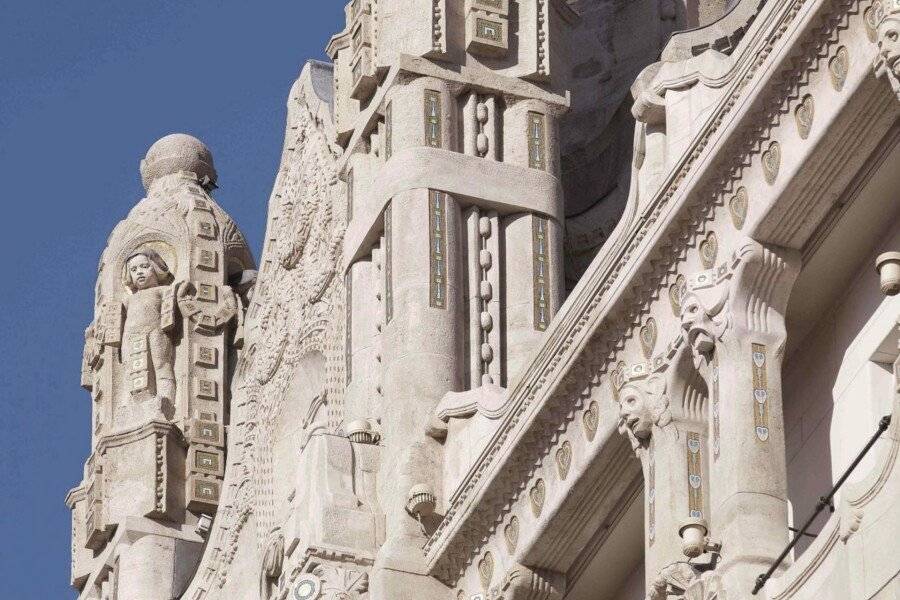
838	67
564	459
804	115
737	206
643	405
523	583
771	162
647	336
147	326
537	495
709	250
486	570
511	533
883	18
589	420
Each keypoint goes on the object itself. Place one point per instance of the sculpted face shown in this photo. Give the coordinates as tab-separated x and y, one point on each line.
635	413
141	272
697	326
889	43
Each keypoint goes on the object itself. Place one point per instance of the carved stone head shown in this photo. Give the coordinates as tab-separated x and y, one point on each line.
885	17
145	269
643	404
699	327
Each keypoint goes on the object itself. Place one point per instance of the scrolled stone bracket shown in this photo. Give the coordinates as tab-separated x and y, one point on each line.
524	583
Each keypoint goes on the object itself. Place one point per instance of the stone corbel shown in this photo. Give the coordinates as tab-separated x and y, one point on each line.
524	583
489	400
883	23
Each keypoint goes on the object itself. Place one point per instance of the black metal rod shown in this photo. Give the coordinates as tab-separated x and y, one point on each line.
824	501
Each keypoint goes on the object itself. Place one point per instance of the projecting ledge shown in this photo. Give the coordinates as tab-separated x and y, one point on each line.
469	179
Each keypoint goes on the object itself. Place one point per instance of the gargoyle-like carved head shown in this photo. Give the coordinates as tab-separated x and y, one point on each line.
885	17
699	327
643	404
145	269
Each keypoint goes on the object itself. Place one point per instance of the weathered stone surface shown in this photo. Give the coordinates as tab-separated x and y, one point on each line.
558	300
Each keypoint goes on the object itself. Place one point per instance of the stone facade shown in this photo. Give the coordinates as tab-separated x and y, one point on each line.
585	300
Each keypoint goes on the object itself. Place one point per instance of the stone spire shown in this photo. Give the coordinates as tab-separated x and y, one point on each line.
158	357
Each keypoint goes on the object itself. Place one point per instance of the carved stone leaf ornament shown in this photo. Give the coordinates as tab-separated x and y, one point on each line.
771	162
804	114
537	495
648	336
564	459
738	206
511	533
838	67
486	569
709	250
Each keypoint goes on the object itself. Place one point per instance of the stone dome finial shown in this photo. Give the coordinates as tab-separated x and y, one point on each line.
178	152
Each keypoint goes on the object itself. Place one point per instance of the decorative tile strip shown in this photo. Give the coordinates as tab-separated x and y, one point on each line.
349	195
760	393
348	333
695	478
716	423
537	141
388	267
651	495
432	119
540	273
388	131
437	219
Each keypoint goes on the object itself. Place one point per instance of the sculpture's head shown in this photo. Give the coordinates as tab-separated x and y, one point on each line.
643	404
697	325
178	152
888	36
145	269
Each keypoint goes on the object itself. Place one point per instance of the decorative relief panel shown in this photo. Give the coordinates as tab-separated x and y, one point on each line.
538	495
804	115
564	459
738	206
838	68
437	236
771	162
589	420
511	534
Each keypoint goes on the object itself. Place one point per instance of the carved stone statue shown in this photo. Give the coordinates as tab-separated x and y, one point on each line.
147	350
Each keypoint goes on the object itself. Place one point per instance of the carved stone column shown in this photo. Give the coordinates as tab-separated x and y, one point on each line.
663	413
736	334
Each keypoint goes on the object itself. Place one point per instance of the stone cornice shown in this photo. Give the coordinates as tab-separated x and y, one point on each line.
626	275
127	436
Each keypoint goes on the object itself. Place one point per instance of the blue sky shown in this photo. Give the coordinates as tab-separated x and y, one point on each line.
85	88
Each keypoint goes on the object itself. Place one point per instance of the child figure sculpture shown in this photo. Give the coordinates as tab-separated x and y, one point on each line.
148	347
